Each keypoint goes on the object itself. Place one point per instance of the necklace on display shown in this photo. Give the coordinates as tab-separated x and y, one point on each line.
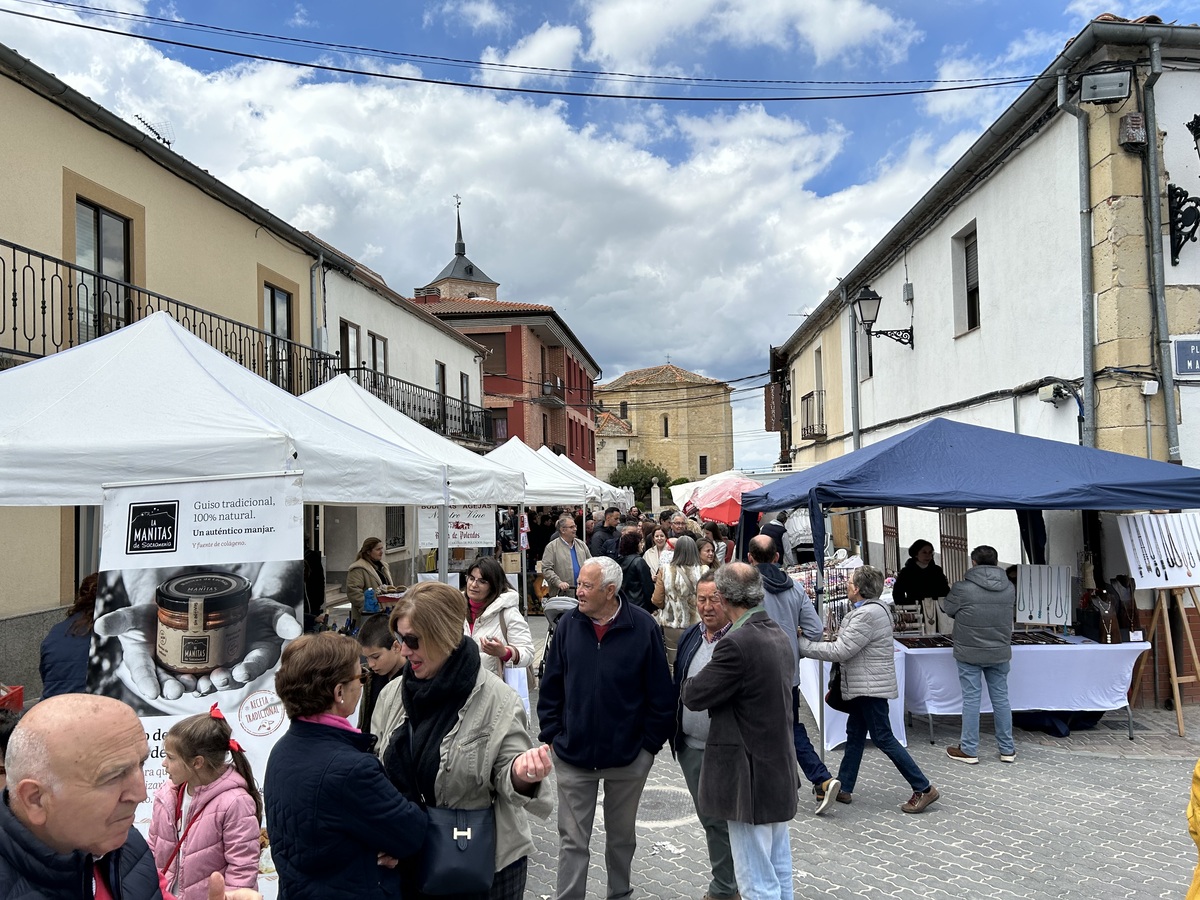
1060	595
1022	592
1170	526
1182	523
1029	589
1127	521
1168	560
1145	537
1043	590
1106	621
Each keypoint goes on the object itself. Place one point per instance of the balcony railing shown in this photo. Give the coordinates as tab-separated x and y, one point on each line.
812	416
551	391
447	416
47	305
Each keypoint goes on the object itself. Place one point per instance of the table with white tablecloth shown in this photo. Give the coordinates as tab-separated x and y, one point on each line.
834	733
1080	675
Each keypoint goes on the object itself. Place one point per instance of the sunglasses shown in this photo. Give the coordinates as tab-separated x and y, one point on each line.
363	676
411	641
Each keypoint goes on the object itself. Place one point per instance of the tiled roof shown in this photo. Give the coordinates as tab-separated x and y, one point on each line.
608	423
655	376
481	305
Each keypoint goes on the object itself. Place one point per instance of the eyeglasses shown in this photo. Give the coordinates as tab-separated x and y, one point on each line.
479	579
411	641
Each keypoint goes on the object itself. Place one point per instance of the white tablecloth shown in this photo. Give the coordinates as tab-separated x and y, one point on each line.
834	733
1076	676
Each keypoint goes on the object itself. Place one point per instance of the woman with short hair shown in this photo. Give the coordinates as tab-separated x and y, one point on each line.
864	648
455	737
338	826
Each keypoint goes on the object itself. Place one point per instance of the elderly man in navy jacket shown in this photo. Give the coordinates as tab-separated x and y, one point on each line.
607	705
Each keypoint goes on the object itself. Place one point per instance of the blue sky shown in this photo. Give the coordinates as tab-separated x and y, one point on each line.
657	227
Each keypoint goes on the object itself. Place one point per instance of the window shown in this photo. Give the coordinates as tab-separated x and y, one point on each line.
439	385
545	429
703	464
965	255
277	319
349	335
102	246
500	425
624	413
496	361
622	457
377	353
464	387
666	427
394	527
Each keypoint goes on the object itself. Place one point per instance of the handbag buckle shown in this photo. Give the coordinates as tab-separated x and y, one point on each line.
464	833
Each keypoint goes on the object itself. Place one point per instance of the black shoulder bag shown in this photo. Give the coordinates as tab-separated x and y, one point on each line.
833	696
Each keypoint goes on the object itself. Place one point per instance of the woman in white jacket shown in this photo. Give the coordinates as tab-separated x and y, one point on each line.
494	618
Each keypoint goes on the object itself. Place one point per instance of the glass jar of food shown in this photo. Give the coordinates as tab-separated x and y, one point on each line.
202	621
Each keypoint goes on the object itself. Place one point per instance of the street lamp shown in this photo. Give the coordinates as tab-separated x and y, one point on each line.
1183	211
866	307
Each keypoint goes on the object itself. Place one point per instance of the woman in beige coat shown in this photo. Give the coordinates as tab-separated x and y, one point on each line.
453	736
367	571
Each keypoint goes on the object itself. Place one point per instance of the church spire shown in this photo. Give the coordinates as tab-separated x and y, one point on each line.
460	246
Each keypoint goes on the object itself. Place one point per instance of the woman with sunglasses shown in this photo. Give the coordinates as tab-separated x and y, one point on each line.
494	618
454	736
338	826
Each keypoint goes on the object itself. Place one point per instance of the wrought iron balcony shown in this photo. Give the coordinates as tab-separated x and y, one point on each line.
448	416
551	391
812	416
47	305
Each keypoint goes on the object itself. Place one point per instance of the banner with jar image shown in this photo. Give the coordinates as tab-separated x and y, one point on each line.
200	588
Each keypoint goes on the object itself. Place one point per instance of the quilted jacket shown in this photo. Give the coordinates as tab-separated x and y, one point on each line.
223	837
982	606
865	649
29	870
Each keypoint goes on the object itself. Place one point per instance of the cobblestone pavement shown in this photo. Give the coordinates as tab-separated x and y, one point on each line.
1095	815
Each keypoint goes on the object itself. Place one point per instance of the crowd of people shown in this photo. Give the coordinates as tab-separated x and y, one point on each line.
671	643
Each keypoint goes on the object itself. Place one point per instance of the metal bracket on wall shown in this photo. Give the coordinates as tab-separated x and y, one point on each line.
1183	214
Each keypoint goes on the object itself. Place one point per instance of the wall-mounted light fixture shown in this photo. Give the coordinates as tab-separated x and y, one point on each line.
866	307
1183	211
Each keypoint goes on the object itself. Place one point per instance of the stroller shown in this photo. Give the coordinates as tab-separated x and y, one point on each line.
553	609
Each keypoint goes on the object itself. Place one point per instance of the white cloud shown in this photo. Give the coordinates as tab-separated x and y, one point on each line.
300	18
550	47
478	15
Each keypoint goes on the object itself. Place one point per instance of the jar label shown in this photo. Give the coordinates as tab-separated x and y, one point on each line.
189	653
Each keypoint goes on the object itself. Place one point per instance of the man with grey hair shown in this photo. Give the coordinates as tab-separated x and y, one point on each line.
748	776
74	784
563	558
607	705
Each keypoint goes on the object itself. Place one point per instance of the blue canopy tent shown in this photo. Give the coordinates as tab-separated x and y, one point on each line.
945	464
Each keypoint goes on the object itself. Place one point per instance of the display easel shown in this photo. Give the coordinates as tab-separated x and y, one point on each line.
1162	602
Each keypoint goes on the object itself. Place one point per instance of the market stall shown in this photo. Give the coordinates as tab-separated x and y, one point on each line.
943	464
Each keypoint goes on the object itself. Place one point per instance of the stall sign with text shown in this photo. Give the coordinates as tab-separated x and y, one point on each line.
469	526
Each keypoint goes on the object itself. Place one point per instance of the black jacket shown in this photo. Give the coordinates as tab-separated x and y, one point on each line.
603	702
637	582
30	869
914	583
600	538
330	810
689	643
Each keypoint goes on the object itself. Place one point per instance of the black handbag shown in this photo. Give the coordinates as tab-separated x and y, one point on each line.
459	853
833	696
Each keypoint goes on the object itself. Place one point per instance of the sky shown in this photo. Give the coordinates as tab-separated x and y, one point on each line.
691	215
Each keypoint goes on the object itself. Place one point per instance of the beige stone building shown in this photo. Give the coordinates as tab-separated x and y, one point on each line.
678	419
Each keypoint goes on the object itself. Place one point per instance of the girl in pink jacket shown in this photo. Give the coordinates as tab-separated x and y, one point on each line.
206	817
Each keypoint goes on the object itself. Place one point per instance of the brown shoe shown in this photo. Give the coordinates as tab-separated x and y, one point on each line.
919	801
844	797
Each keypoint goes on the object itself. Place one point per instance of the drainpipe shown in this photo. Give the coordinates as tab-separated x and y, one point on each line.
317	336
1157	272
854	423
1087	290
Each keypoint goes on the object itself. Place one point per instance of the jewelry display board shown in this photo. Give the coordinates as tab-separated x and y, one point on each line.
1044	595
1163	549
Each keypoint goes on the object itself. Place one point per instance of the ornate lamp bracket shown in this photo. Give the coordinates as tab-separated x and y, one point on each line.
1183	213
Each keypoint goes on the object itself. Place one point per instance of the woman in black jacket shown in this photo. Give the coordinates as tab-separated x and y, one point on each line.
337	825
637	585
921	582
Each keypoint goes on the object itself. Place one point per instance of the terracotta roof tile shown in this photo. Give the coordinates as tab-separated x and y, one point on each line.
608	423
655	376
481	305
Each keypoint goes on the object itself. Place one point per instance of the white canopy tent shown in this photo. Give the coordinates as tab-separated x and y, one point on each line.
604	492
471	479
153	402
545	484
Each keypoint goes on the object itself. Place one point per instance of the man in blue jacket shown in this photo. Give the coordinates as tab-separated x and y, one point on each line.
607	705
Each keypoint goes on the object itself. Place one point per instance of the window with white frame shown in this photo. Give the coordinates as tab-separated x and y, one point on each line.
965	249
377	353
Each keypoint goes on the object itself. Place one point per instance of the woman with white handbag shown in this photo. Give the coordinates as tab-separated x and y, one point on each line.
494	620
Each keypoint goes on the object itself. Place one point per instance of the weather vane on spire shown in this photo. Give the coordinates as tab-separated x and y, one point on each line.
457	202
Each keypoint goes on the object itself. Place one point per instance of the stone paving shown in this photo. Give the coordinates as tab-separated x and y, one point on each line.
1095	815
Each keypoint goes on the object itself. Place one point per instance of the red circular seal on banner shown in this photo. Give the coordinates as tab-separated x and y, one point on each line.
260	713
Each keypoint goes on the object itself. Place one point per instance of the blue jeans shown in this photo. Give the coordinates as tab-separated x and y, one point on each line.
997	682
810	761
870	714
762	859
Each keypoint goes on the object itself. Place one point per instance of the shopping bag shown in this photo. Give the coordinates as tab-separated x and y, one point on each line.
517	678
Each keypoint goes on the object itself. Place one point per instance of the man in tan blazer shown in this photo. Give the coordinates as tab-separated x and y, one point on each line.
562	559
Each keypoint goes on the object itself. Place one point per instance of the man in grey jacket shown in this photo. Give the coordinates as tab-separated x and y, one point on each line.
789	607
982	606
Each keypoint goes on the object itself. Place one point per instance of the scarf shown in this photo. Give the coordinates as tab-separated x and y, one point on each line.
432	706
379	571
